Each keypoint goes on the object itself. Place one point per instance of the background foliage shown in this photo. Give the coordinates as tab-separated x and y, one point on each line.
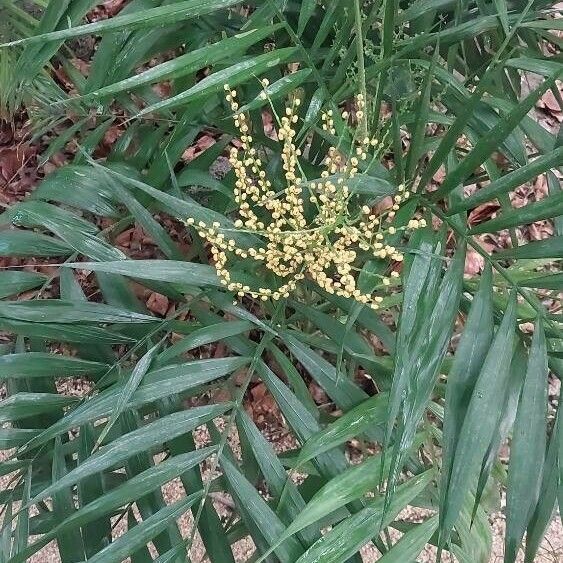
456	370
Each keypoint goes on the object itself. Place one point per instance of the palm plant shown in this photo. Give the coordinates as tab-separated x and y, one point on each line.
443	86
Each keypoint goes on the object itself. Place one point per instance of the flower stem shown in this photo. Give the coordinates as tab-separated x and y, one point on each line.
363	125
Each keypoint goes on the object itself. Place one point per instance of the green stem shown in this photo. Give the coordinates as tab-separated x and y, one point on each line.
363	126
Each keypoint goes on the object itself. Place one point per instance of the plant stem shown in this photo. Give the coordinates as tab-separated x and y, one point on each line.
361	66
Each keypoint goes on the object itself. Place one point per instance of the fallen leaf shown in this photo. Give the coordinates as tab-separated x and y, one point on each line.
319	396
483	212
440	175
549	101
112	7
12	160
124	238
157	303
474	263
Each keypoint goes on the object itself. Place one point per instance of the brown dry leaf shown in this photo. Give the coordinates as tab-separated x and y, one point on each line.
222	395
163	89
189	154
540	187
383	205
318	394
470	189
549	101
220	350
111	135
112	7
474	263
483	212
6	133
263	404
124	238
12	160
550	104
205	141
139	290
268	125
258	392
436	223
201	145
138	238
534	232
440	175
81	65
157	303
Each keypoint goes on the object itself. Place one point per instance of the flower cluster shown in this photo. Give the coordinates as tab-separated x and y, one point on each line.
307	229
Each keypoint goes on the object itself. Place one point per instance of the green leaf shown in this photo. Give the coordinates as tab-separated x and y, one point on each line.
546	208
13	282
306	10
338	387
69	544
411	543
480	421
145	219
40	364
232	75
419	363
511	181
421	115
21	534
300	419
547	500
471	351
162	15
62	311
144	532
295	380
254	508
168	271
130	386
134	488
290	501
181	208
350	485
28	243
487	144
344	539
15	437
80	187
419	286
350	340
157	384
281	87
64	332
205	335
75	231
23	405
186	64
553	281
96	533
551	247
6	532
527	447
369	415
140	440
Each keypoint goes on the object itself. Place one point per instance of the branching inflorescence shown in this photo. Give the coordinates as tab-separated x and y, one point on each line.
309	228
